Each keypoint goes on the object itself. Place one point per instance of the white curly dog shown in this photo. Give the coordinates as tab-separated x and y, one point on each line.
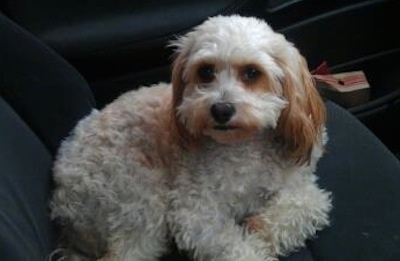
221	160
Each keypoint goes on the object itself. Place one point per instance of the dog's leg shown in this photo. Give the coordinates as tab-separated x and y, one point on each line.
120	219
141	237
138	226
148	247
201	228
296	214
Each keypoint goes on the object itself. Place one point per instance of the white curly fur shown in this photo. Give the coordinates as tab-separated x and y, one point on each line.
155	165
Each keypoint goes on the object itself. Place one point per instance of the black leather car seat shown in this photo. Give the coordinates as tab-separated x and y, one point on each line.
41	99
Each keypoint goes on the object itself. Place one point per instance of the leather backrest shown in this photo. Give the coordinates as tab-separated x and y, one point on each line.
114	35
42	88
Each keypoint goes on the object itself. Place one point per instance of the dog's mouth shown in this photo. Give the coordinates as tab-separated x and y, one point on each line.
224	127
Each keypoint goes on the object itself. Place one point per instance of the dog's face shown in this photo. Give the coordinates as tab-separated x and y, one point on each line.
234	77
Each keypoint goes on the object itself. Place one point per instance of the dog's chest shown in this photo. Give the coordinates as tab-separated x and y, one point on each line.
243	176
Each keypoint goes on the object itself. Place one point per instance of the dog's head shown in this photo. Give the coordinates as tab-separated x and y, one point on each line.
234	77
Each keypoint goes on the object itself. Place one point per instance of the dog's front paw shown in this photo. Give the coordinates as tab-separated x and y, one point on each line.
252	258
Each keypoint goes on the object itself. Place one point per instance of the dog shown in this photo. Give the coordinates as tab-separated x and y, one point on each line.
221	161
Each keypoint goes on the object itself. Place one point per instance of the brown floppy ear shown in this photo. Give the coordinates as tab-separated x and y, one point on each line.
301	123
180	132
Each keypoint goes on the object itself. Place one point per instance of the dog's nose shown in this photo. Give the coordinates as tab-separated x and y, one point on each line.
222	112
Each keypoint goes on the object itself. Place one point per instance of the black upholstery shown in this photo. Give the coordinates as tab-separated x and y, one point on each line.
115	35
25	229
365	180
41	99
84	29
40	85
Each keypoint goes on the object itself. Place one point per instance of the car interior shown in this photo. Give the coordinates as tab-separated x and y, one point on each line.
61	59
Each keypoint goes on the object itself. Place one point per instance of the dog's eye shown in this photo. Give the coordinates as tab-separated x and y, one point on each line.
206	73
250	74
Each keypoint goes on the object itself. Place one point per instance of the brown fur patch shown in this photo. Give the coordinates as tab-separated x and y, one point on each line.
260	83
254	224
178	130
301	122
